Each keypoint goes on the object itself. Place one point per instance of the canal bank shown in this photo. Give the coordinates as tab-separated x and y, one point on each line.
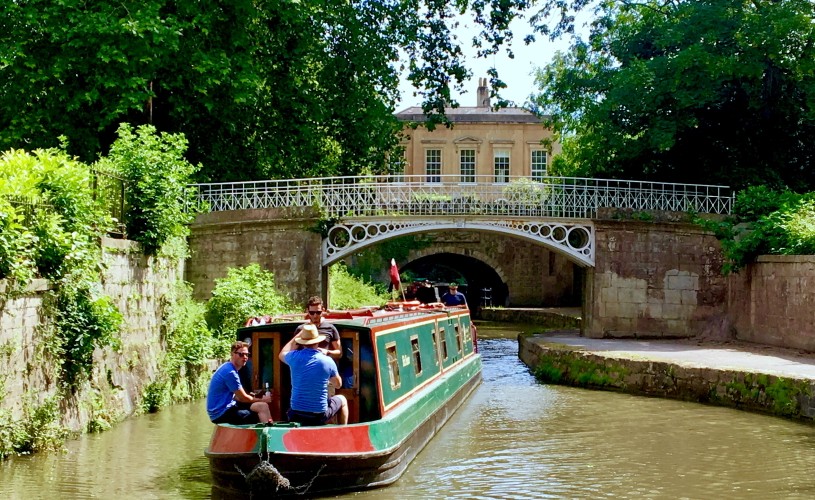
739	375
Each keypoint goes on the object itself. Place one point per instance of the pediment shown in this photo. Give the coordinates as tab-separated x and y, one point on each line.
468	140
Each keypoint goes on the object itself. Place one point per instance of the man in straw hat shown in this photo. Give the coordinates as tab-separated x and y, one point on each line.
311	372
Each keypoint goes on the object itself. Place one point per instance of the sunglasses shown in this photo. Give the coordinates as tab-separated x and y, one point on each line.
315	312
243	354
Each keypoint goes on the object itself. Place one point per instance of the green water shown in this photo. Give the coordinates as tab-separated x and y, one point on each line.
515	438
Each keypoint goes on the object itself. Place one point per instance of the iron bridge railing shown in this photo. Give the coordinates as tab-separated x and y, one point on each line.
422	195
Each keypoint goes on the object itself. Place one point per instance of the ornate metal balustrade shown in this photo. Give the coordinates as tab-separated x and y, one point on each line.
445	195
556	211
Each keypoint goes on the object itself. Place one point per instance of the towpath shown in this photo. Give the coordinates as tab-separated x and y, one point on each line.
746	376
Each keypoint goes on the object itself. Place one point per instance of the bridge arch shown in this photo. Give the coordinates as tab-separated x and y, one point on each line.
573	239
456	250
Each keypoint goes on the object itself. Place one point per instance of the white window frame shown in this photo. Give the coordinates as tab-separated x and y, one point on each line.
432	166
535	164
467	166
501	173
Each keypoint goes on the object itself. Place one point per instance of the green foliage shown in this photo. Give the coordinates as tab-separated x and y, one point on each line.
157	177
526	191
155	396
271	90
101	418
348	292
244	293
765	222
16	244
84	321
715	92
189	344
38	430
374	261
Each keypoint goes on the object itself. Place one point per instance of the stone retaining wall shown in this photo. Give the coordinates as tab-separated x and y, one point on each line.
539	317
773	302
783	396
28	375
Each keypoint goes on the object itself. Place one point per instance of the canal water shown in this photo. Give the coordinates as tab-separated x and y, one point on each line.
515	439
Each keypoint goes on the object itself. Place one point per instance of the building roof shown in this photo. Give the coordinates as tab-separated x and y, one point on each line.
464	114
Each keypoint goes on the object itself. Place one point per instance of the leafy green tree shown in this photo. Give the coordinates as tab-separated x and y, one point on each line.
707	91
260	88
157	176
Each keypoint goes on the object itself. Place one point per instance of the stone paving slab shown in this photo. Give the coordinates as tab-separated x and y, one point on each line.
725	356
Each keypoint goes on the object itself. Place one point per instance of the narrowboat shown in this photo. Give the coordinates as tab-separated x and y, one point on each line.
405	371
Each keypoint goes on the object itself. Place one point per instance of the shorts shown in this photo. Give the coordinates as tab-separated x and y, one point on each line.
237	415
310	418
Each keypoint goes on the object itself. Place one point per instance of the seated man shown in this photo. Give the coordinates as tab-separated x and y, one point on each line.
453	297
311	372
226	392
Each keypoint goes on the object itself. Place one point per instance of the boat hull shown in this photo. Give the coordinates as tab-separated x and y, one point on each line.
363	456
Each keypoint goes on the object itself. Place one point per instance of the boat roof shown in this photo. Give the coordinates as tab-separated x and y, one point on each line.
363	317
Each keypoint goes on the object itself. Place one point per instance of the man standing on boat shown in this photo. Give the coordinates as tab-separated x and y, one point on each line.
453	297
226	392
311	372
331	346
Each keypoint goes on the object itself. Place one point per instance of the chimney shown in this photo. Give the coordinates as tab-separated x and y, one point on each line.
482	94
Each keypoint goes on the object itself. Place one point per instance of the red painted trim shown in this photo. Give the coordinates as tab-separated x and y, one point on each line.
333	439
232	440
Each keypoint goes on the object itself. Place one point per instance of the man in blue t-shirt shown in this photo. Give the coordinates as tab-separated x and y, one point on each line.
453	297
311	372
225	391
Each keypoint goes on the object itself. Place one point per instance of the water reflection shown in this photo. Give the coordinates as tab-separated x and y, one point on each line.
514	439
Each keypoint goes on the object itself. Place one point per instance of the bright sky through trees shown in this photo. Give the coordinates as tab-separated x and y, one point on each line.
517	73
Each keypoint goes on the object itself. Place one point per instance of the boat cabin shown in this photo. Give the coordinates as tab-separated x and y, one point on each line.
386	355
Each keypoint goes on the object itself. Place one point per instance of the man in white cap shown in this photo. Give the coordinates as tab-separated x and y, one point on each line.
311	372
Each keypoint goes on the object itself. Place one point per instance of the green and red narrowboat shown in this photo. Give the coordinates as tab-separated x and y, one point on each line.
405	372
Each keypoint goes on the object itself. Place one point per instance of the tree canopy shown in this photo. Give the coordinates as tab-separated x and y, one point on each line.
701	91
260	88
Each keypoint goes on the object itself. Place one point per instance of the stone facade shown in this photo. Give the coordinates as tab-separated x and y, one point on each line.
773	302
479	135
27	373
279	240
653	280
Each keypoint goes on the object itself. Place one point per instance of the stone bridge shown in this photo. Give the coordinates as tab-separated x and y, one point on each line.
623	250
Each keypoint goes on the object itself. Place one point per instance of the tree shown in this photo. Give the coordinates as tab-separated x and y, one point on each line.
260	88
708	91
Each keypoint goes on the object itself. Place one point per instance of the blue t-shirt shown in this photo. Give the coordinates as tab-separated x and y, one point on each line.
310	372
220	397
453	299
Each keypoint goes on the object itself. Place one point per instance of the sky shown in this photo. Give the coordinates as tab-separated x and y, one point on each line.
517	73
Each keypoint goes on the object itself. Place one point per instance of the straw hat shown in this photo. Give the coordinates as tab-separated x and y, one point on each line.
309	335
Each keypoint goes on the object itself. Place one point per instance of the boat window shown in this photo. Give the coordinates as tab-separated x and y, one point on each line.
443	337
436	345
393	365
417	355
459	339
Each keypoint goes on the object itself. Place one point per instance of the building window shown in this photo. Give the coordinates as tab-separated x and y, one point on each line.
538	165
501	162
467	163
393	365
417	355
432	165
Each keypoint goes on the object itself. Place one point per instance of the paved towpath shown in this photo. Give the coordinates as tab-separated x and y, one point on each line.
737	356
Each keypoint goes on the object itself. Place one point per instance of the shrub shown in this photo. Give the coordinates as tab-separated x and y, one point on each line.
766	222
348	292
157	176
245	292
